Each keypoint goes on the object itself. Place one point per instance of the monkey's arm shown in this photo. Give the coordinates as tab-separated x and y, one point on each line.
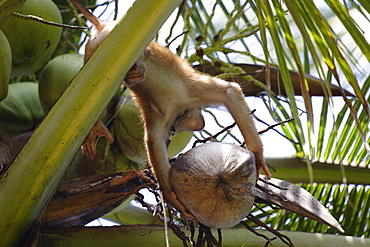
156	135
214	90
241	113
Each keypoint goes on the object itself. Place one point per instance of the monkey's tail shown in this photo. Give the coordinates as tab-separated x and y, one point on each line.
87	13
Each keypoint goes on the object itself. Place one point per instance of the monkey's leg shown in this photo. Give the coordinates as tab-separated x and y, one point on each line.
135	75
99	129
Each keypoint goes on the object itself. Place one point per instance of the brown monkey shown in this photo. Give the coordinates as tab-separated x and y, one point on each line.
168	88
170	94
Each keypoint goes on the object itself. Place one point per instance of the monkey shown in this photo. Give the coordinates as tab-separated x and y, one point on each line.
170	95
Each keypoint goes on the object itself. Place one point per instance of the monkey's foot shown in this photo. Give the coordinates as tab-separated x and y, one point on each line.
135	75
99	129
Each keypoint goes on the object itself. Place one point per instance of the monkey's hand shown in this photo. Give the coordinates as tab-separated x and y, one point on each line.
135	75
175	202
99	129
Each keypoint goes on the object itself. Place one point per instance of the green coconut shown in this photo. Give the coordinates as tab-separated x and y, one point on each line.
5	65
32	42
21	111
7	7
56	76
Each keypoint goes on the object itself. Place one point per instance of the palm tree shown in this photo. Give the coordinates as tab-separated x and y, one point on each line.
332	149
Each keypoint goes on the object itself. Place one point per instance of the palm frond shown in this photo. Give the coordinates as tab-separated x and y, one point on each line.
349	204
345	143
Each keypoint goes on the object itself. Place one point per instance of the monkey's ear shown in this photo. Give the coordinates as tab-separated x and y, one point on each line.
146	54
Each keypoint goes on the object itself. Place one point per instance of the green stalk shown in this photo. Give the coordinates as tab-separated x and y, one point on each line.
150	235
30	182
294	170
